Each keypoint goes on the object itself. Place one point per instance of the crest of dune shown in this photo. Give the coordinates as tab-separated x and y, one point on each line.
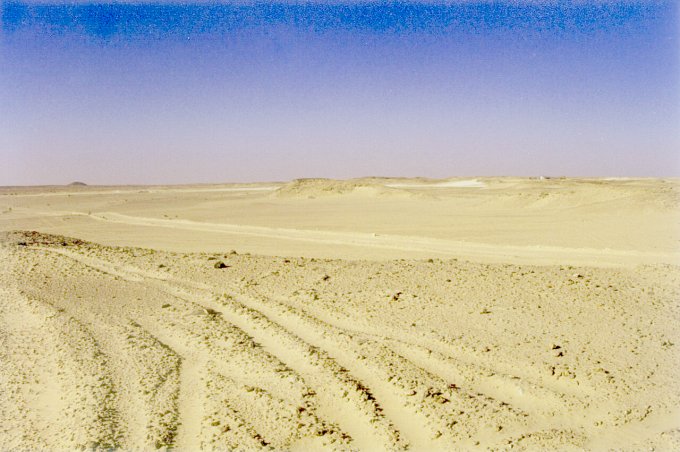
319	187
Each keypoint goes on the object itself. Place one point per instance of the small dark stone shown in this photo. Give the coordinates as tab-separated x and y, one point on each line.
220	264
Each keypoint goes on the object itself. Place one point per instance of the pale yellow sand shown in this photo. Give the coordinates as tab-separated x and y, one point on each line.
372	314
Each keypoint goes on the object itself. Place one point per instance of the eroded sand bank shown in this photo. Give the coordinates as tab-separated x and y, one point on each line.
502	313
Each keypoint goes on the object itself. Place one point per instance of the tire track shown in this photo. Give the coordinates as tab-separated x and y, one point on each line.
439	354
364	433
219	359
408	422
133	361
43	353
524	399
281	330
527	254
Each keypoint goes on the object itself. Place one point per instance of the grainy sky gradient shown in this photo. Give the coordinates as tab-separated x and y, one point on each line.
167	92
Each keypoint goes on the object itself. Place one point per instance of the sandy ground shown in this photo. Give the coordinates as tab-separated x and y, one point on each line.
374	314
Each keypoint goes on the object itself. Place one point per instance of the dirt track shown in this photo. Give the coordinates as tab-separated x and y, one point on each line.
137	348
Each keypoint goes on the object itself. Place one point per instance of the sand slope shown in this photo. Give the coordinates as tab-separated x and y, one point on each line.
495	220
504	313
313	188
147	348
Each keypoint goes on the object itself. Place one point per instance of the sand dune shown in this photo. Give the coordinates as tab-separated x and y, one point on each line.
312	188
470	183
491	317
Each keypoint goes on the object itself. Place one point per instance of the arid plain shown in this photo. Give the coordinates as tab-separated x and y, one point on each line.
371	314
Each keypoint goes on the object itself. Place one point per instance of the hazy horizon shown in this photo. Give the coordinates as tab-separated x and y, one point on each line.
173	93
77	183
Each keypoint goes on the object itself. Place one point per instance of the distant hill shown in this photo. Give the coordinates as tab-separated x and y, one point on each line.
77	184
319	187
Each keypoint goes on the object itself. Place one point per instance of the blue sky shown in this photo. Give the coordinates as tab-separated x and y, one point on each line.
214	92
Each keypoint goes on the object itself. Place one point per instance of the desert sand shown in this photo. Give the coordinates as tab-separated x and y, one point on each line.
371	314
